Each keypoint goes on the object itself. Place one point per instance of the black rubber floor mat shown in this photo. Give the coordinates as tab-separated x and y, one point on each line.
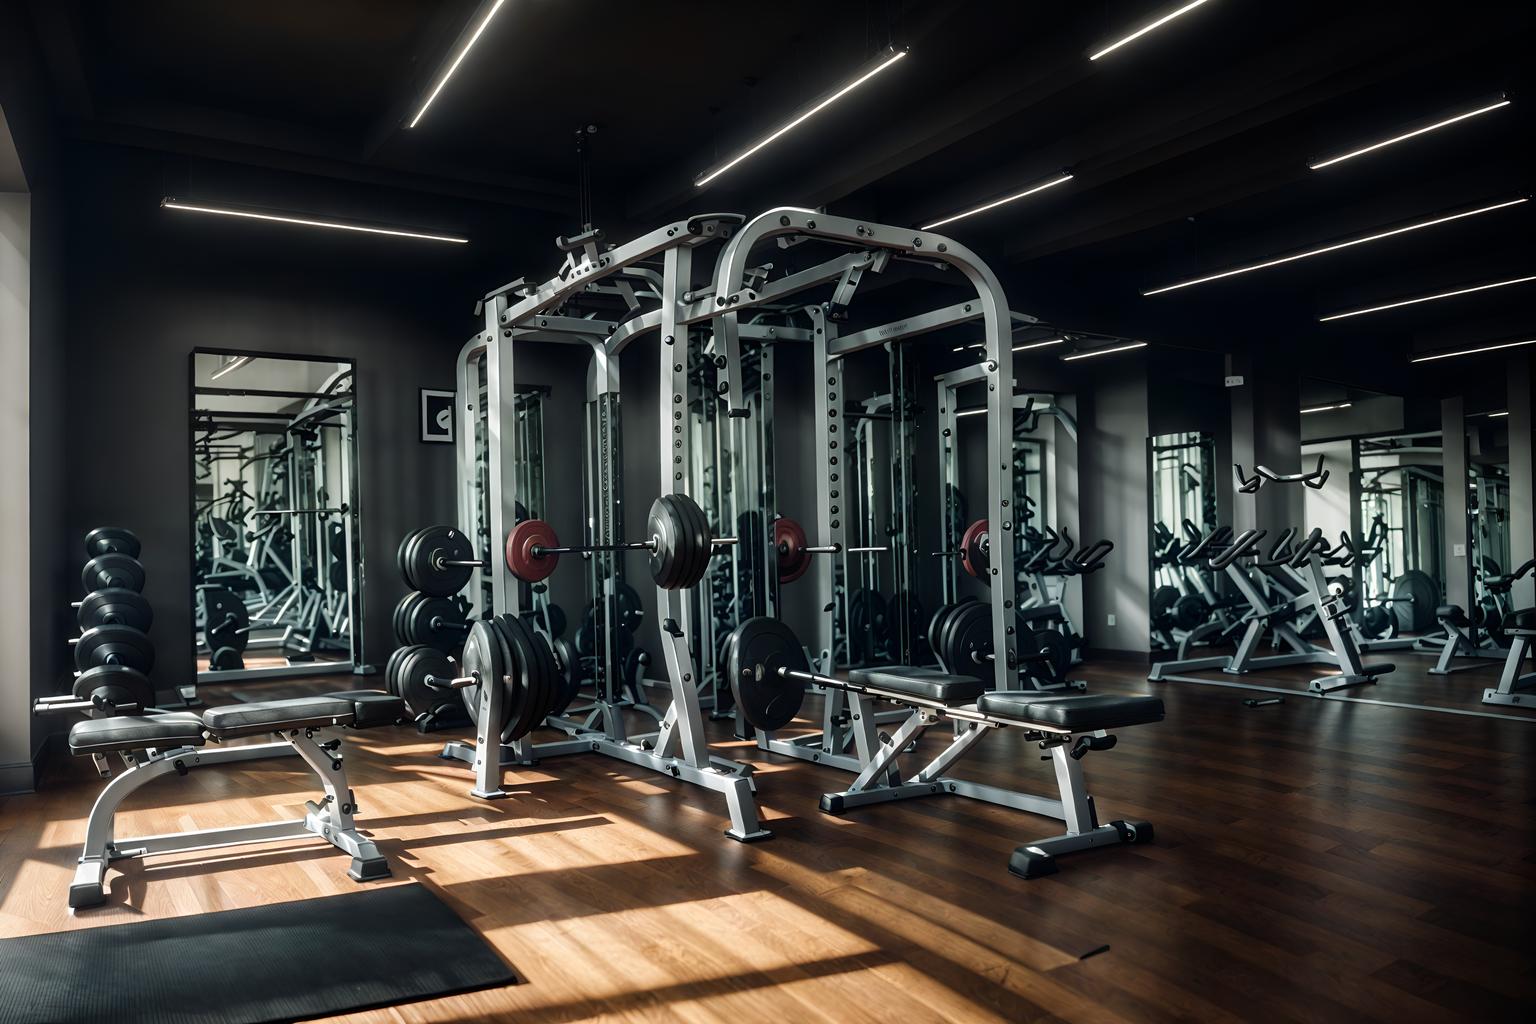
284	962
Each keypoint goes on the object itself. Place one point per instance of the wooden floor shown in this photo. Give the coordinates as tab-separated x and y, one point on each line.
1317	860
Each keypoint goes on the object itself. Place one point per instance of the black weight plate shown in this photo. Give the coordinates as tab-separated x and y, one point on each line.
402	618
970	633
482	656
947	638
337	535
411	672
529	693
556	616
666	530
759	647
434	545
116	684
112	570
626	599
687	556
704	544
117	606
554	682
936	625
432	621
108	645
106	540
225	659
1059	649
405	543
1163	599
391	667
570	675
338	577
1189	611
1375	622
1416	596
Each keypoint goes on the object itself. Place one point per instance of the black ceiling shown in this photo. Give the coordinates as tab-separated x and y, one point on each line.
1189	147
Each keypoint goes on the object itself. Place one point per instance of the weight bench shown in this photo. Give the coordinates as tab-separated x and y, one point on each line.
1050	720
308	726
1515	689
1457	642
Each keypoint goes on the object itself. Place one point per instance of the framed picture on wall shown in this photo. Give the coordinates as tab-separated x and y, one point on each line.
436	417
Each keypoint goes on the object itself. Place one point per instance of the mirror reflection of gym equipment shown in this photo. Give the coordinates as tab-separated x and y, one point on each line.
275	549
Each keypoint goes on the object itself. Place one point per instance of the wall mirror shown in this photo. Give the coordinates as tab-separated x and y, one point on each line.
1185	592
276	549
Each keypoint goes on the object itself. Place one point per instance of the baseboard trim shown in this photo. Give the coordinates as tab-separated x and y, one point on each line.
1110	654
18	778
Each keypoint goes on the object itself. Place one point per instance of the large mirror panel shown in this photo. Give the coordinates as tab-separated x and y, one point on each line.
276	548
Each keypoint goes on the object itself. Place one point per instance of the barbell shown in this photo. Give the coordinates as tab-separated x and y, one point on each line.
680	545
795	549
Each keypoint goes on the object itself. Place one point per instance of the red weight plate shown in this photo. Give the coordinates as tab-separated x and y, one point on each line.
522	559
972	536
790	542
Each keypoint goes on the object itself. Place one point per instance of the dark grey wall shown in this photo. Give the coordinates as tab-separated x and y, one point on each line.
35	135
148	286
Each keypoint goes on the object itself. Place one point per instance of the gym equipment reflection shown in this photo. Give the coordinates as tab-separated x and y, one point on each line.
275	544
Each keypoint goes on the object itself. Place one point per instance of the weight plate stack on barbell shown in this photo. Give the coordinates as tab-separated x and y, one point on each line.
435	621
1415	596
975	548
426	557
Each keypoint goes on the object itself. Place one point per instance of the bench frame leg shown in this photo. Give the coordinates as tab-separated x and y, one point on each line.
330	819
881	781
1514	689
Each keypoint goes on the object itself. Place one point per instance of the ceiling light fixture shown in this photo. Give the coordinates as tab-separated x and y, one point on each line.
457	60
1471	351
978	411
170	203
1146	28
1427	298
882	62
1038	344
234	364
1496	415
1059	179
1336	246
1408	135
1326	408
1103	351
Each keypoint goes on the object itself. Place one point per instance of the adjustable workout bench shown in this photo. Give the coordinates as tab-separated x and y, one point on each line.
769	673
1052	721
1515	689
309	726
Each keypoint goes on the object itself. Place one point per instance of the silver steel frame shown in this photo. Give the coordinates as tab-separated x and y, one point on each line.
1514	689
679	747
736	290
331	819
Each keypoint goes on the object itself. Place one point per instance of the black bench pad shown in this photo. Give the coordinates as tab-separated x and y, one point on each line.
372	707
926	683
360	708
1522	619
135	732
1452	613
1078	713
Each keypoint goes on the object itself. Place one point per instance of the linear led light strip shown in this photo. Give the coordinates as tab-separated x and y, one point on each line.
1103	351
1335	247
1407	135
229	367
1063	177
1165	19
1326	408
224	211
1496	415
1472	351
800	118
464	52
1017	348
1427	298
